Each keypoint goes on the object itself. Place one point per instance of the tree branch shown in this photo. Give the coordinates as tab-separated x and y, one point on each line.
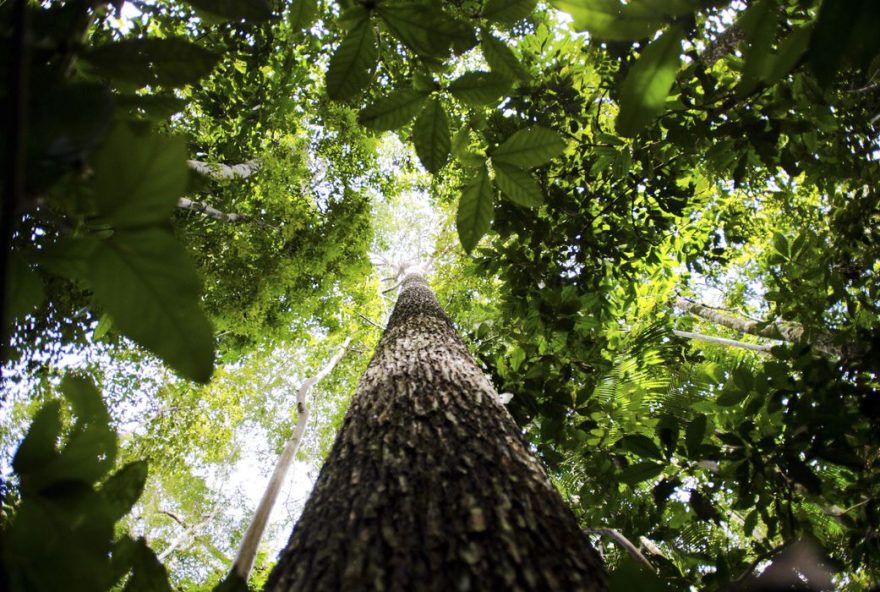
244	561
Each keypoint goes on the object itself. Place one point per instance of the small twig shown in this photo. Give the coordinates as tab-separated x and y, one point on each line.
623	542
372	322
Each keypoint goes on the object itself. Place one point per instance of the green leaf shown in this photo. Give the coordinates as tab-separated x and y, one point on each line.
84	396
845	32
38	446
694	434
475	210
236	10
124	488
518	185
640	472
759	22
146	282
418	25
138	178
431	136
611	20
501	58
351	66
302	14
529	147
731	395
171	62
632	575
643	92
148	574
24	289
156	107
88	455
508	12
479	88
394	110
640	446
790	51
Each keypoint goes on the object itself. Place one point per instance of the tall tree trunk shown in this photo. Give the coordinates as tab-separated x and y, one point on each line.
430	484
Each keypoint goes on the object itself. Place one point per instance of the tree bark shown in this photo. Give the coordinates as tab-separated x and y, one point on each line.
430	484
780	330
762	348
225	172
244	561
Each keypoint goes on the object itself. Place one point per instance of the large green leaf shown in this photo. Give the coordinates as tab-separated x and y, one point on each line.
394	110
641	446
640	472
479	88
146	282
24	289
501	58
612	20
418	25
508	12
431	136
170	62
250	10
518	185
529	147
123	489
39	445
759	22
475	209
353	61
302	14
643	93
138	177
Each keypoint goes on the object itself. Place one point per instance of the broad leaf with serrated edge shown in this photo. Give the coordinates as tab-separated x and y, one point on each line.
501	58
643	93
479	88
146	282
508	12
393	111
518	185
431	136
475	209
353	61
612	20
138	177
418	25
529	147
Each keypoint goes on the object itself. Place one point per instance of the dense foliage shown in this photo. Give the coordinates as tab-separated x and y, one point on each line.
613	187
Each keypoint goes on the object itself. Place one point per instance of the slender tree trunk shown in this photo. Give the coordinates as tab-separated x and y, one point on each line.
244	561
430	484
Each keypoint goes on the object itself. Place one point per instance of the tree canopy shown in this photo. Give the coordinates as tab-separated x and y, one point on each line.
654	223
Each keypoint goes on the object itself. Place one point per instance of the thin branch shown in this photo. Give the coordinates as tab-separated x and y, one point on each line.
761	348
225	172
244	561
624	542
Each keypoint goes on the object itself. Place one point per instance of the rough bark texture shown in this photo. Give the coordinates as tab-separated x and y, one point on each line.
225	172
790	332
430	485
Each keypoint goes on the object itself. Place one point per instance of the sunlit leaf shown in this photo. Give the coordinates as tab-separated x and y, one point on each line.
431	136
479	88
643	92
353	61
517	184
146	282
501	58
508	12
394	110
611	19
475	210
529	147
